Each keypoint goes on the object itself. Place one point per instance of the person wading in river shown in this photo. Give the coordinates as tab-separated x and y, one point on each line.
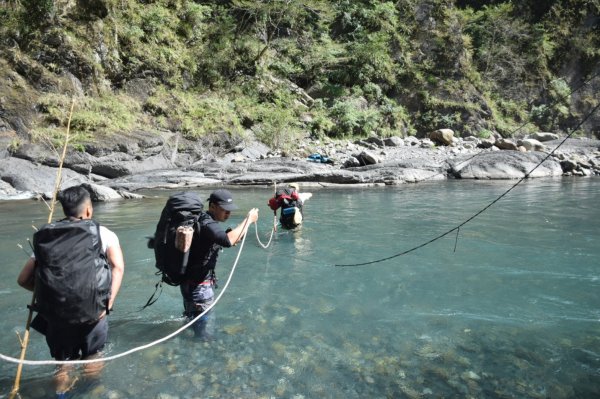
197	288
291	202
72	313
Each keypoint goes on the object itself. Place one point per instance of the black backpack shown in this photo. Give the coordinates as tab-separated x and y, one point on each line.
290	203
72	275
181	209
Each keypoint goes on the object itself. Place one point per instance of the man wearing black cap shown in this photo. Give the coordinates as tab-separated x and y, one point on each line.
197	290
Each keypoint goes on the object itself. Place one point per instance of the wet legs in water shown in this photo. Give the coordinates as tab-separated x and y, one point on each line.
196	299
204	327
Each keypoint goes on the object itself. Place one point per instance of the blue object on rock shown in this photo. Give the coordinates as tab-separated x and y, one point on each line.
318	158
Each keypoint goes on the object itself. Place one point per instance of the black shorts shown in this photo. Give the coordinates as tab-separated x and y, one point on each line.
71	342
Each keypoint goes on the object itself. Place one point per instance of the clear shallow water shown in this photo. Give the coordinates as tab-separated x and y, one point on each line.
513	313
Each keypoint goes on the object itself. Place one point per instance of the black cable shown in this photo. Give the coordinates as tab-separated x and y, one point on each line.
456	239
512	133
457	228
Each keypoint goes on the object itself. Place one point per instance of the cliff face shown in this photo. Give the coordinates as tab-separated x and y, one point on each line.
217	73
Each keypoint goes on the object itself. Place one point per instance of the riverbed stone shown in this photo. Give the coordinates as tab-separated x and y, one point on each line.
531	145
100	193
506	165
120	164
568	165
379	142
162	179
394	141
368	158
442	136
506	144
544	136
486	143
427	143
9	192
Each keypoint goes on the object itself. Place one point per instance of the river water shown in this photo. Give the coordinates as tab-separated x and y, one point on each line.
508	308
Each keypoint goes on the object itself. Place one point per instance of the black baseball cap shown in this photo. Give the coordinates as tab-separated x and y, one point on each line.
223	198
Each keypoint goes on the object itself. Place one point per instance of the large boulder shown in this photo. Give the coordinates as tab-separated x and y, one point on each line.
486	143
368	158
8	192
100	193
253	150
247	151
531	145
378	141
25	176
442	136
505	144
394	141
506	165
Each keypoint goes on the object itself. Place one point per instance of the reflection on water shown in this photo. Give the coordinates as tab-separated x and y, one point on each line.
514	312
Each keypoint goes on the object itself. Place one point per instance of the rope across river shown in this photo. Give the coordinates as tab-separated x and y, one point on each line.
457	228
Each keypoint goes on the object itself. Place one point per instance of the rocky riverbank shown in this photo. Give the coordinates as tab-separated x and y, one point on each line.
149	161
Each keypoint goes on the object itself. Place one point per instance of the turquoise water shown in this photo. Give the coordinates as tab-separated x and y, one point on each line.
513	312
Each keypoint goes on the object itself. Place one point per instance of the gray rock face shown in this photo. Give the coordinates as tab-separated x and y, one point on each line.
111	173
162	179
506	165
9	192
24	179
126	158
121	165
25	176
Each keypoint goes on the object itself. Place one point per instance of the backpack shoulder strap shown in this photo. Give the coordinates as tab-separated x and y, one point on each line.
203	219
100	246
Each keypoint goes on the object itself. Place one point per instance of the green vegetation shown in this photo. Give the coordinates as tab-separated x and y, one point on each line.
289	68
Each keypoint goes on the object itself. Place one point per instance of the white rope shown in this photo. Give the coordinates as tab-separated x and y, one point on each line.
139	348
274	224
272	232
